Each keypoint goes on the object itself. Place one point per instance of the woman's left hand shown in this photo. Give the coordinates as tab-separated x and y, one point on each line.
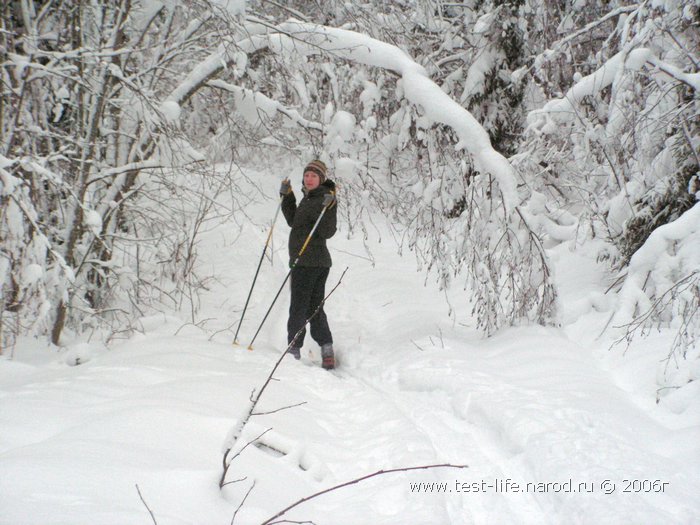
328	199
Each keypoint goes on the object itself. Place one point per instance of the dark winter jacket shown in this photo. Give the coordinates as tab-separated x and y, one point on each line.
302	218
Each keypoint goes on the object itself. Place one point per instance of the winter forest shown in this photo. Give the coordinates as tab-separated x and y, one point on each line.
490	146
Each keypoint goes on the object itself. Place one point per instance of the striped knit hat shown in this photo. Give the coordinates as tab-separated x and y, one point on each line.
318	167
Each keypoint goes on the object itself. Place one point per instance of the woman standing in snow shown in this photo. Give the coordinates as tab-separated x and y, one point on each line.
309	274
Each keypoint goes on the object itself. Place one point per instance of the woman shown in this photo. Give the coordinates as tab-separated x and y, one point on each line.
309	273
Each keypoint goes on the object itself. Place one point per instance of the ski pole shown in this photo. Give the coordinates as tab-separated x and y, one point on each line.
291	267
255	278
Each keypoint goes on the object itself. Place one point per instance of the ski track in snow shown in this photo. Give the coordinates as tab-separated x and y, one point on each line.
529	405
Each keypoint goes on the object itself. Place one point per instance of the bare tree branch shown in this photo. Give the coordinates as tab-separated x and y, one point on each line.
303	500
253	401
240	505
278	409
146	505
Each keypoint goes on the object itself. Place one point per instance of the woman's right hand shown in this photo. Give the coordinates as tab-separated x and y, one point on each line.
285	187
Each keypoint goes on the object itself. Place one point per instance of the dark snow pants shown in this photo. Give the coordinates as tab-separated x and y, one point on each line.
308	287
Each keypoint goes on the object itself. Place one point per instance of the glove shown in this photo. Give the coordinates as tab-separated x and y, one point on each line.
285	187
328	200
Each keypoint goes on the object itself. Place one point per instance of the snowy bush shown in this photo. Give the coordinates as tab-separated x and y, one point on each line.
94	158
662	288
620	151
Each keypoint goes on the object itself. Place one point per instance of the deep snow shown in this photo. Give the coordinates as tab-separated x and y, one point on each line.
552	407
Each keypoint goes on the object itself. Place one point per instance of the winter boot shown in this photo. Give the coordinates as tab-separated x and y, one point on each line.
327	356
295	351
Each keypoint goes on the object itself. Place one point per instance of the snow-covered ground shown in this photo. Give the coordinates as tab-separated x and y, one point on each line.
553	427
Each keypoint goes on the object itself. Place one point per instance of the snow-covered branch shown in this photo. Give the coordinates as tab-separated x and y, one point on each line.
559	46
691	79
564	109
669	255
417	87
259	103
132	166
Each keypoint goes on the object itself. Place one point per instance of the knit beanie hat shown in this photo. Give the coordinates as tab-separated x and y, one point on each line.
318	167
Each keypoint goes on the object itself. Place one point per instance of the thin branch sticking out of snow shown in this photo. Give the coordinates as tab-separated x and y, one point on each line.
273	519
146	505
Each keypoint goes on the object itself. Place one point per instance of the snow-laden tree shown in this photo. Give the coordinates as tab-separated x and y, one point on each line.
619	149
103	102
398	142
99	219
111	112
609	149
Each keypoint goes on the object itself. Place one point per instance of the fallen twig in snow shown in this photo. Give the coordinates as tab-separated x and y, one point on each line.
146	504
271	521
268	412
